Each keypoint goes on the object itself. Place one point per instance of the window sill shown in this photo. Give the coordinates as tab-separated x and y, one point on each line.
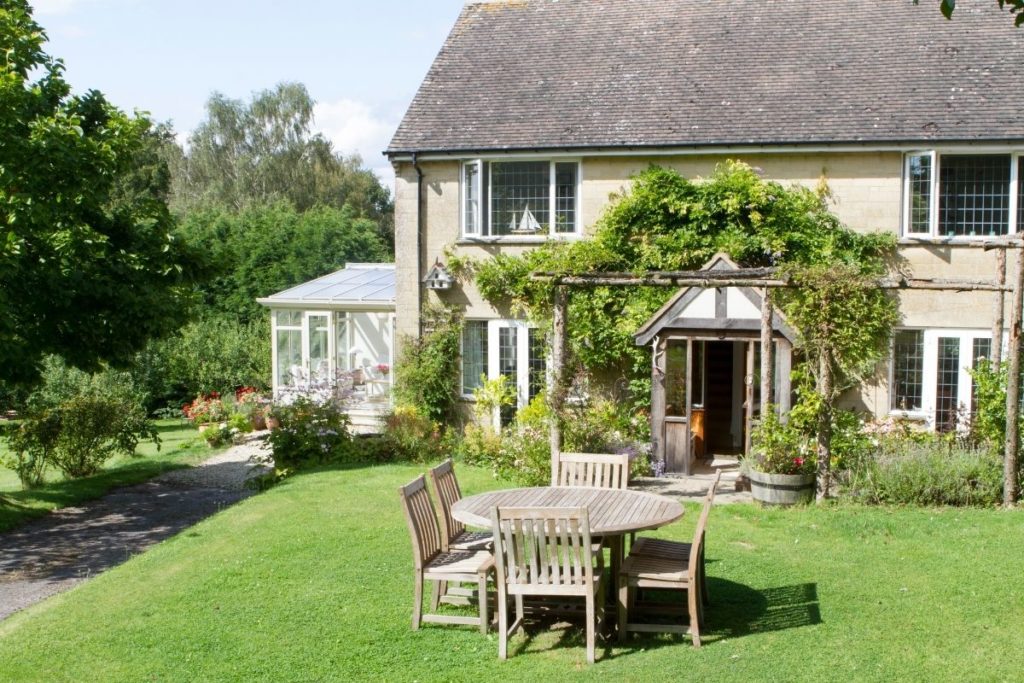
516	239
915	416
931	241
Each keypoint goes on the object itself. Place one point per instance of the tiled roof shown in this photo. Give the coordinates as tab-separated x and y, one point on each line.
574	74
363	285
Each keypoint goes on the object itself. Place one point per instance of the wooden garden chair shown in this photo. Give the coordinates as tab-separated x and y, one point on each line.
433	563
454	535
546	552
596	470
656	563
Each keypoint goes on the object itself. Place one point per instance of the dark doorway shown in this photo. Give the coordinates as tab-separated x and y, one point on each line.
720	399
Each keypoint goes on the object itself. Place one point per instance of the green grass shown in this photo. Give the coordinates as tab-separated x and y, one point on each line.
178	448
312	580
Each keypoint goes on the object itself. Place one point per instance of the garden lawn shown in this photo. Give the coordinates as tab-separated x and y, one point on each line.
312	580
179	447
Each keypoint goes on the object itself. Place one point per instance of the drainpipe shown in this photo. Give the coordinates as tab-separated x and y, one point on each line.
419	241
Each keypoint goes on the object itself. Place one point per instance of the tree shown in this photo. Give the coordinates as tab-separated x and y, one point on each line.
265	249
89	266
264	151
1016	7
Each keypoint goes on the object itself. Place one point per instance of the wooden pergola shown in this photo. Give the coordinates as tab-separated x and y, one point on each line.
767	279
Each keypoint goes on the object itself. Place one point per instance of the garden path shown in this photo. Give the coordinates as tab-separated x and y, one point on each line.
68	546
694	487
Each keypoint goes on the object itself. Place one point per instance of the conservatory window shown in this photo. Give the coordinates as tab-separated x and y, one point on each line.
289	347
520	198
962	195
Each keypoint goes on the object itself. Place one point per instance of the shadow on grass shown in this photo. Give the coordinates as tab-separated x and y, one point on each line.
18	507
736	610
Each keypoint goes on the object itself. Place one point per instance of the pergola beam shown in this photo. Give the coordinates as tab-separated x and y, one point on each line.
729	279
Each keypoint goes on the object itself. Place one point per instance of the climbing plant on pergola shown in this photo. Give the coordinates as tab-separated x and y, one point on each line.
768	279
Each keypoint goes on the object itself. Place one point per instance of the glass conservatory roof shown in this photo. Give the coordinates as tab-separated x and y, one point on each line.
364	285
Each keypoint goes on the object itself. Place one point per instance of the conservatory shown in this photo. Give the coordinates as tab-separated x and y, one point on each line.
336	334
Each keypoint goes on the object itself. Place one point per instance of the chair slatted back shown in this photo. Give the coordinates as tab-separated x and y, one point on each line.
594	470
447	492
697	550
419	515
543	547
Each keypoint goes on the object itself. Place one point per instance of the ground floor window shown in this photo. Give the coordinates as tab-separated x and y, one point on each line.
509	348
930	373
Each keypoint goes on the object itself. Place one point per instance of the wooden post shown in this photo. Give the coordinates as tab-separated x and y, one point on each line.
824	424
1011	489
997	317
767	348
559	382
748	403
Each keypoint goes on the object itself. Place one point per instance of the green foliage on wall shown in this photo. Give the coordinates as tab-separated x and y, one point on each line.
668	222
427	373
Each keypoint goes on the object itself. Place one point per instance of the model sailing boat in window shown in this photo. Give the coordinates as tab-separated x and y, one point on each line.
528	225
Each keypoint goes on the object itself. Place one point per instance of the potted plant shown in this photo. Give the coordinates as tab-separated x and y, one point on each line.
781	465
205	410
248	403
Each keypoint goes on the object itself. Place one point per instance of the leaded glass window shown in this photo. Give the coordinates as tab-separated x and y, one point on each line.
508	365
974	194
908	370
919	168
520	198
947	383
474	355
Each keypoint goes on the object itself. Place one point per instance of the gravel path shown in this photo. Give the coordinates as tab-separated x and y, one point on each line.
56	552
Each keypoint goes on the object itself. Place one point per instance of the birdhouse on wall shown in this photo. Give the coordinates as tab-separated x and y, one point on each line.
438	278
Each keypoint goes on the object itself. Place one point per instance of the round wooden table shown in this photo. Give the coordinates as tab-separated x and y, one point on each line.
613	512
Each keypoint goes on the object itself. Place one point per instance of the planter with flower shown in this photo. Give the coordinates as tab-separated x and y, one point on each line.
205	410
782	465
250	403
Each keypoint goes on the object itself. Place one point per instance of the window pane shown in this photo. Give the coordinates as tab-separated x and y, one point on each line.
947	383
675	379
697	400
318	335
289	357
289	318
538	363
1020	195
920	169
471	183
974	194
474	354
520	194
907	370
507	366
565	197
342	359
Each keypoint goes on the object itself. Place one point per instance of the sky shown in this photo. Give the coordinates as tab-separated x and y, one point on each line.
362	61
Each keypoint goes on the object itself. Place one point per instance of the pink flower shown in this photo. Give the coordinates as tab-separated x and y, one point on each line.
799	461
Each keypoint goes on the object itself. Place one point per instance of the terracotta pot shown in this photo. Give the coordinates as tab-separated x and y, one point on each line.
259	421
273	422
204	426
781	489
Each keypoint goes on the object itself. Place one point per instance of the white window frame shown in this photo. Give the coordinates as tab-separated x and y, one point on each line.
476	230
933	209
929	371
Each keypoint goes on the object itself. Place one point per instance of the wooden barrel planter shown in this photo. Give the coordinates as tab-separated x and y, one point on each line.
781	489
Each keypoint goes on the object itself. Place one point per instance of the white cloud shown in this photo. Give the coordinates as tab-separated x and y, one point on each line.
355	128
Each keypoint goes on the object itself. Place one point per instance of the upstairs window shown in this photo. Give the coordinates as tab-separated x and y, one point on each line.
520	198
962	195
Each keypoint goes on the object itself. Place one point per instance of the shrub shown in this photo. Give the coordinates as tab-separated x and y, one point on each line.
925	469
409	436
310	434
427	374
76	422
205	409
778	448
